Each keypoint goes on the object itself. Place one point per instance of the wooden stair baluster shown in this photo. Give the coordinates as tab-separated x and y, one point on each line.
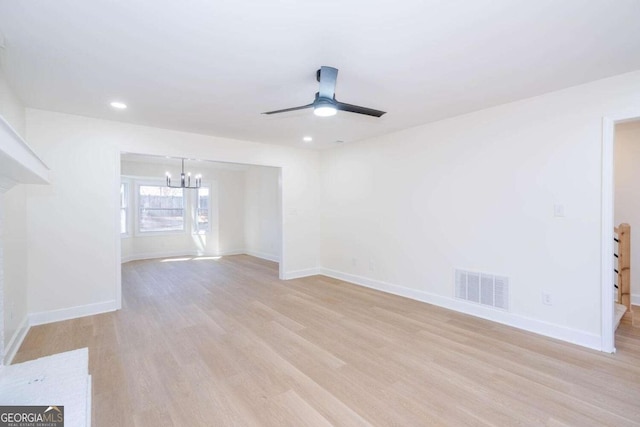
624	268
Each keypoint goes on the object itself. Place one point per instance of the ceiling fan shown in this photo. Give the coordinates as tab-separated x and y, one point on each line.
325	103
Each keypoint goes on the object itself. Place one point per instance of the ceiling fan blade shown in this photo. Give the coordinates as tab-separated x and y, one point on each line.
360	110
289	109
327	77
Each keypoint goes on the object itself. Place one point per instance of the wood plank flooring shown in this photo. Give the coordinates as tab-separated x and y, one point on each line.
205	342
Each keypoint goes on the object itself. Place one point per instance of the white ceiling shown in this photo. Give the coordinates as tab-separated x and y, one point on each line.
213	66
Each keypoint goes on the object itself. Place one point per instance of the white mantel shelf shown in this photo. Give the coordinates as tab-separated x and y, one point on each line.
19	164
62	379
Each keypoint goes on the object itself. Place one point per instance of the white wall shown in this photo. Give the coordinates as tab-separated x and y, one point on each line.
262	213
11	108
226	235
74	243
13	237
627	193
15	263
477	192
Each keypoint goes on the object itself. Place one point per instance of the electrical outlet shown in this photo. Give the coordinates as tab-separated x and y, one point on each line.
546	298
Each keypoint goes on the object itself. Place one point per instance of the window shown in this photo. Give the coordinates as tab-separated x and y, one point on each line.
124	207
202	210
160	209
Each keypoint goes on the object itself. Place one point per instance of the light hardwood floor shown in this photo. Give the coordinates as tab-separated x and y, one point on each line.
224	342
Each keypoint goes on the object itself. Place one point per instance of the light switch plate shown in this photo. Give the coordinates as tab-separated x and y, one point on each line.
558	211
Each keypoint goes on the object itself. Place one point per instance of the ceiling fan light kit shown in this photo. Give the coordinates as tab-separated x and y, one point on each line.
325	104
325	110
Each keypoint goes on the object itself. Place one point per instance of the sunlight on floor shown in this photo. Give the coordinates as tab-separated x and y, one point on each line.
201	258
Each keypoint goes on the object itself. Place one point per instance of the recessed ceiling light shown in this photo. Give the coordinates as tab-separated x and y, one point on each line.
118	105
307	139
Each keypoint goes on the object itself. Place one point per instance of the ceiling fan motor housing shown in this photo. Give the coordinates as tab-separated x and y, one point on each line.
322	101
325	104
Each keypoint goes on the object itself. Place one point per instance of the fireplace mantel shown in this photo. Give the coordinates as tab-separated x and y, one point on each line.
19	164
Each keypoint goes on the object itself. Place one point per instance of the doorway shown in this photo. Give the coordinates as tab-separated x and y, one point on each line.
236	209
627	216
609	245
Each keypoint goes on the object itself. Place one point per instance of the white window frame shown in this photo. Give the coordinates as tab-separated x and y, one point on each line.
196	200
158	183
126	186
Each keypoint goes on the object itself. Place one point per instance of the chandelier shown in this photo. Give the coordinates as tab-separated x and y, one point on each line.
185	180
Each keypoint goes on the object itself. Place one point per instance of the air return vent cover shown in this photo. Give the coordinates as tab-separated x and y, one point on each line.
483	288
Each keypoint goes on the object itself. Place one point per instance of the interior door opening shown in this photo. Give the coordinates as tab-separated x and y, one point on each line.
165	213
626	221
620	211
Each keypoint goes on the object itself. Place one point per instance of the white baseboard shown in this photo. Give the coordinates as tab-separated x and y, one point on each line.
71	313
154	255
296	274
635	299
263	255
228	253
560	332
16	341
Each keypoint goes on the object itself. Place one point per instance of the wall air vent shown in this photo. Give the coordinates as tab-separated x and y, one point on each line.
482	288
